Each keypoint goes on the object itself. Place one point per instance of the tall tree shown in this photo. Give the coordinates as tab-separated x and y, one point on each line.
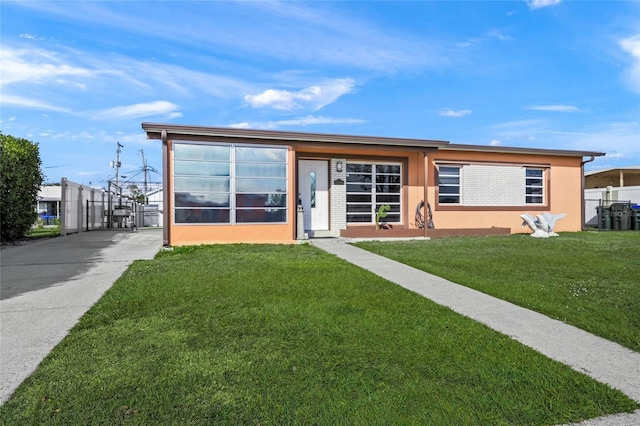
20	180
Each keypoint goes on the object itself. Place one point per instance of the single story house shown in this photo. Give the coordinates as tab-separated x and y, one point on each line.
225	185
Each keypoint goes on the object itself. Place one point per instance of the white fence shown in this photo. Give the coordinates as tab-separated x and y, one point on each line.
593	198
86	208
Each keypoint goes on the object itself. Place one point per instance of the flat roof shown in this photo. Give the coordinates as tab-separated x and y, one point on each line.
154	131
614	171
521	150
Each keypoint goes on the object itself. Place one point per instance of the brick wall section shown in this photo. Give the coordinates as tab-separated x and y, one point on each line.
491	185
338	197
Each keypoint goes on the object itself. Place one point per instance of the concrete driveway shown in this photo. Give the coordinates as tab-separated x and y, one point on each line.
47	285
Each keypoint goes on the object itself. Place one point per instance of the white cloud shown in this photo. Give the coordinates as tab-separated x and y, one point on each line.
616	155
631	74
495	142
632	45
22	102
182	81
64	79
554	108
93	173
537	4
36	65
104	137
518	129
163	108
61	81
494	34
470	42
310	120
618	138
277	99
497	34
323	33
242	125
302	121
313	98
452	113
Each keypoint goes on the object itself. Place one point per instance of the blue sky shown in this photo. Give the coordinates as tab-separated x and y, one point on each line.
78	77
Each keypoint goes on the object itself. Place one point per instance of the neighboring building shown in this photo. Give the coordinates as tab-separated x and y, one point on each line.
155	217
48	204
239	185
616	177
609	186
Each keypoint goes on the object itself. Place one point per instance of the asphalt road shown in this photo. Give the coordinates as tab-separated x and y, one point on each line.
47	285
43	263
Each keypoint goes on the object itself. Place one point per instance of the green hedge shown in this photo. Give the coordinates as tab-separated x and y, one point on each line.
20	181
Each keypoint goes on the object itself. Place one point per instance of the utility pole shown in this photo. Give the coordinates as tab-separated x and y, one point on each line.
145	170
117	163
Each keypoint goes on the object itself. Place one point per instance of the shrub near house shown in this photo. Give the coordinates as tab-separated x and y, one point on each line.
20	181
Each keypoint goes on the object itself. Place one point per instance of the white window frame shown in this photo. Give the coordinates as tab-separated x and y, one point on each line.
530	185
441	185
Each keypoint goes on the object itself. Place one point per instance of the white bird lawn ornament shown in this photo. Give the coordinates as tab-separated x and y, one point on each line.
542	226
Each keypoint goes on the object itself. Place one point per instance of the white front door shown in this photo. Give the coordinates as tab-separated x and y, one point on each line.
313	184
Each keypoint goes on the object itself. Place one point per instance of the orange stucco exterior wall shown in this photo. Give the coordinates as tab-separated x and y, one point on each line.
564	194
564	186
193	234
413	168
244	233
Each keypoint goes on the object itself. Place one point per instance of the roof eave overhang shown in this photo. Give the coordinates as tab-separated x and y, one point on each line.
613	171
519	150
174	131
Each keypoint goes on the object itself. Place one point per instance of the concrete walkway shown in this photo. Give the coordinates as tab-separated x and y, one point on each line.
47	285
599	358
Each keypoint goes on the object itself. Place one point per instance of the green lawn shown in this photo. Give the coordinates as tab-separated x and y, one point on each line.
244	334
36	233
588	279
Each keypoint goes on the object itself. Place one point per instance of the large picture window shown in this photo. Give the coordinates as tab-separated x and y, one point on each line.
371	185
449	185
229	184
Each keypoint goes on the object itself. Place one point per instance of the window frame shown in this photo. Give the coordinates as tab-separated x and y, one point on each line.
516	205
234	210
374	203
529	197
457	194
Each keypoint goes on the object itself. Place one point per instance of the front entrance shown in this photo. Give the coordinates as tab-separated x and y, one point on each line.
313	185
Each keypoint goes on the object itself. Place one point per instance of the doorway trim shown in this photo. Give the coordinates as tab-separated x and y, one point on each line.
313	189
